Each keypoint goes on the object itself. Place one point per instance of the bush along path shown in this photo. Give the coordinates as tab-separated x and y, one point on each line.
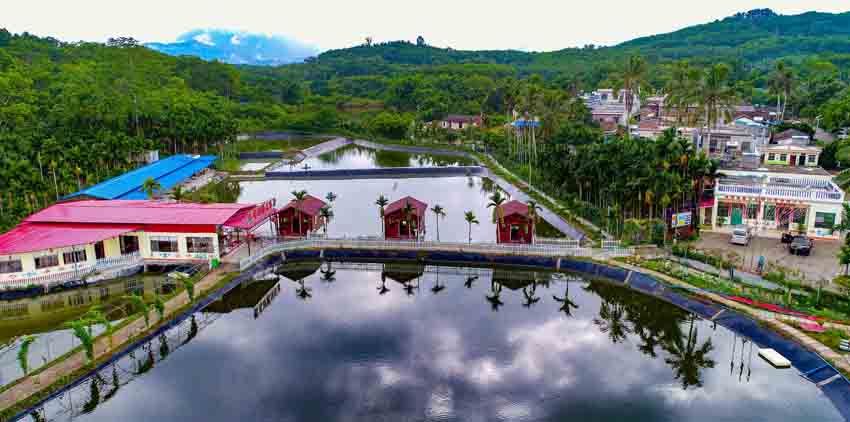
64	369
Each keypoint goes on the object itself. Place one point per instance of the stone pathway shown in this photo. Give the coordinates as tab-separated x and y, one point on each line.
35	383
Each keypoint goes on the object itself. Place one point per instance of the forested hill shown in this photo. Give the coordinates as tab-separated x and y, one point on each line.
757	37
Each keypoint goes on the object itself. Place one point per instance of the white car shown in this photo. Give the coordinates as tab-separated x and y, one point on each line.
740	236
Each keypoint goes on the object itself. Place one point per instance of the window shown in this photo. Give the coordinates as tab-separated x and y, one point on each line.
129	244
163	244
813	159
14	310
46	261
752	211
11	266
99	250
799	216
199	244
74	257
801	161
769	212
824	220
771	157
783	158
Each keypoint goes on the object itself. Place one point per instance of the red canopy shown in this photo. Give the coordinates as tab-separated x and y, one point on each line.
249	218
31	237
515	207
418	206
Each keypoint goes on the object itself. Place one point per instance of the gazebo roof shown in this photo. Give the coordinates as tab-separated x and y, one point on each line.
419	207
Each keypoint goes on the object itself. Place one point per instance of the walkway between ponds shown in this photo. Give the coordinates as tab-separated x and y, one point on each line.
515	192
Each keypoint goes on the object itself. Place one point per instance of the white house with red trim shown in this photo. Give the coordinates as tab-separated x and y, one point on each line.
68	241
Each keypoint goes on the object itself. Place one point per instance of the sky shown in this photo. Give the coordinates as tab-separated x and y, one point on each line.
534	25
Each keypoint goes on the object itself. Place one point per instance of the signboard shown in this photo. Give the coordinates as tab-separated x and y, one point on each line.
681	220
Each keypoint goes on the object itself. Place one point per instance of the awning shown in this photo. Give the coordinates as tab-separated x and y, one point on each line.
32	237
252	217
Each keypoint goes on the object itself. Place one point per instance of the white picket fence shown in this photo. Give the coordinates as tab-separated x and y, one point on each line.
73	273
608	249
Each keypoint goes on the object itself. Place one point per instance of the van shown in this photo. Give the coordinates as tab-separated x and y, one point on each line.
740	236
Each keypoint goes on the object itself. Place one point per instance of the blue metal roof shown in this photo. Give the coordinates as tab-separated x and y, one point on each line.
526	123
168	172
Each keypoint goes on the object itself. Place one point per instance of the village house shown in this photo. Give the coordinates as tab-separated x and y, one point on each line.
291	225
775	200
460	122
403	222
70	240
516	225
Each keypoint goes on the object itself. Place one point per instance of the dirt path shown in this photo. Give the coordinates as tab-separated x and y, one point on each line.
35	383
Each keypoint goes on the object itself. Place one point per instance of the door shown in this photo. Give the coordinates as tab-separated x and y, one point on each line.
99	251
737	217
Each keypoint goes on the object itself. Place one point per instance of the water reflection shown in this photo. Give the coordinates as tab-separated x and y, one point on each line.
357	157
560	347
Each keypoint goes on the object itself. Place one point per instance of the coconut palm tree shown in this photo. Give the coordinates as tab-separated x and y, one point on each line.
631	79
533	217
493	297
470	218
178	193
439	212
566	303
383	289
687	359
326	213
382	202
408	211
300	196
150	186
715	97
530	295
781	82
496	201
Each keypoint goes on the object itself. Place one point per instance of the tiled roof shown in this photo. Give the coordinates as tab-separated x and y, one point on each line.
419	206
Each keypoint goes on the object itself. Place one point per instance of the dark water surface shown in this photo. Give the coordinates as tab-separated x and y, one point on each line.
341	345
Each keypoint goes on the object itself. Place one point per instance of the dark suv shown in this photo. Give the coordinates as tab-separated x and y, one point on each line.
800	245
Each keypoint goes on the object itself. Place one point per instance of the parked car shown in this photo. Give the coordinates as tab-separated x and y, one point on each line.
740	236
787	237
183	271
800	245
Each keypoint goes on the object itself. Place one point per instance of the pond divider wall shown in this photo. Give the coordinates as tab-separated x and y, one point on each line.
388	172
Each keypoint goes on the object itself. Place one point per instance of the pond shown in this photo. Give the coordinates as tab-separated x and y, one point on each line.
358	157
355	212
43	317
405	342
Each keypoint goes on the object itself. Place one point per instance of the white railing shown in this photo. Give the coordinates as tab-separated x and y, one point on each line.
74	273
609	249
777	192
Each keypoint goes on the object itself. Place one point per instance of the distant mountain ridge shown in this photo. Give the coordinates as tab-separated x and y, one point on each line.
236	47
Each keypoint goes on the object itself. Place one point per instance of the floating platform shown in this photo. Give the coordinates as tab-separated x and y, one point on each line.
774	358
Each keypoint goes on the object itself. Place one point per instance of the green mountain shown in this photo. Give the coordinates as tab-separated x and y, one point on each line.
757	37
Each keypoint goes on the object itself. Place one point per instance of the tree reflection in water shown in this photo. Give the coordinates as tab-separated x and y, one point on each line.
303	292
493	297
529	292
623	312
382	289
328	274
567	305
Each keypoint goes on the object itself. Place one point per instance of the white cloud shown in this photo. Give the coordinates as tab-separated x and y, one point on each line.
474	24
235	40
204	38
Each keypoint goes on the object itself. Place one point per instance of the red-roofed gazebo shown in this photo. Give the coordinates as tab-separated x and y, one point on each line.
399	224
517	225
289	223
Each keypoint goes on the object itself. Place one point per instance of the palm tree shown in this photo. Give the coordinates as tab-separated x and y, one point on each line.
780	83
686	359
331	197
632	78
493	297
326	213
533	217
178	193
382	202
439	212
715	97
303	292
470	218
566	303
382	289
530	295
300	196
150	186
496	201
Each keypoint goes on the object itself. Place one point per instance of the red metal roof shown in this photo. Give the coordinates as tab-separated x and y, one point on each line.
137	212
419	206
250	218
515	207
30	237
310	205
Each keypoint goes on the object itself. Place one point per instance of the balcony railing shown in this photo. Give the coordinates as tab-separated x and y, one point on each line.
73	273
781	193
